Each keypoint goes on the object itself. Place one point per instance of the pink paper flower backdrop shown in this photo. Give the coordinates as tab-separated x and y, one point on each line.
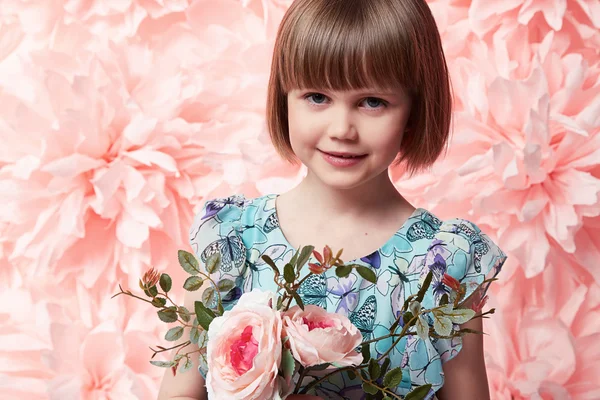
117	119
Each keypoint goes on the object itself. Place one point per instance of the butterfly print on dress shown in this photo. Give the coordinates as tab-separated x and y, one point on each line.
233	252
427	227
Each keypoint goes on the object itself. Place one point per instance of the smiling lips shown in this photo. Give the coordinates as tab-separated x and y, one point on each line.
343	159
342	154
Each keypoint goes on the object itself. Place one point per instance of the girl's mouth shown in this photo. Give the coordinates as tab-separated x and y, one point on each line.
343	160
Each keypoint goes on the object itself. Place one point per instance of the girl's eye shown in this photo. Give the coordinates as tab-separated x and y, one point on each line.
376	101
315	96
372	101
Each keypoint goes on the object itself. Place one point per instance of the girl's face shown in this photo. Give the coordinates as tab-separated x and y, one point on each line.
361	122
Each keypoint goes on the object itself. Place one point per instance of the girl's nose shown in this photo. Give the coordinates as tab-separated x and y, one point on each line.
341	125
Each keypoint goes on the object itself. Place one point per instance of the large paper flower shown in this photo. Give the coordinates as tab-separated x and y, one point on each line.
577	20
97	347
122	141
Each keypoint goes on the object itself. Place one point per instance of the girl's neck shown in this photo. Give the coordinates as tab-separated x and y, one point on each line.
375	199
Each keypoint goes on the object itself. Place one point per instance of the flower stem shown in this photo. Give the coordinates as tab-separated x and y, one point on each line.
401	335
302	371
130	294
171	348
383	389
324	377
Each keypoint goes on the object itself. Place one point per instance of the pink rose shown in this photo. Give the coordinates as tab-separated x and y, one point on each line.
244	350
318	337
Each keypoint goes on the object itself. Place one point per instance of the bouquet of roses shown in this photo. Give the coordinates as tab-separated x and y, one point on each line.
267	348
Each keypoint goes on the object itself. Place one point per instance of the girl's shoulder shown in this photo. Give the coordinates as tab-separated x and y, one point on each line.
224	208
459	232
229	210
457	247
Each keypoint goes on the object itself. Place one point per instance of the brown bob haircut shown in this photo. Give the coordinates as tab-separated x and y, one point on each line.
341	45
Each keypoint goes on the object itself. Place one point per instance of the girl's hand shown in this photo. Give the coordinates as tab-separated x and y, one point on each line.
303	397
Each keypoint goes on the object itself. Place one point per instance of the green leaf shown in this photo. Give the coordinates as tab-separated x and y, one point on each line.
220	308
367	273
320	367
225	285
203	360
165	282
425	286
299	301
204	315
271	263
203	340
364	375
385	366
174	333
153	291
422	328
419	393
406	317
288	365
184	313
159	302
374	369
288	273
351	374
208	297
343	270
444	300
187	365
168	315
194	335
393	378
213	263
369	388
366	352
442	324
193	283
163	364
279	302
414	307
407	301
188	262
460	315
294	259
304	256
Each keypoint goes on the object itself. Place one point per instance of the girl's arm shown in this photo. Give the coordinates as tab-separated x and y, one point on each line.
188	385
465	375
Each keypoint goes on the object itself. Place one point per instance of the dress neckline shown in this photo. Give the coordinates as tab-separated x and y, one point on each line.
286	242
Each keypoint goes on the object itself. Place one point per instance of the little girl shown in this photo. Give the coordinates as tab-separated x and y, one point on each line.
355	86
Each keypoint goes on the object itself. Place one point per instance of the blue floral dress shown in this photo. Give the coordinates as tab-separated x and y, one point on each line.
243	230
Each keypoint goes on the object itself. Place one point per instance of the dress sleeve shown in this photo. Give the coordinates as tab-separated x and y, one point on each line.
471	258
216	228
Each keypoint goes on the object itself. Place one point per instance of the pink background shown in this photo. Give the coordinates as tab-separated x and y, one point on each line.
119	118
